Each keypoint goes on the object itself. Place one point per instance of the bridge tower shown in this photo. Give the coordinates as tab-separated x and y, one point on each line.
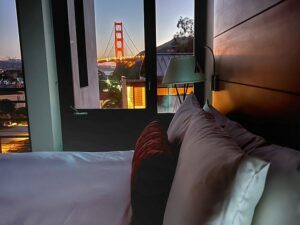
119	40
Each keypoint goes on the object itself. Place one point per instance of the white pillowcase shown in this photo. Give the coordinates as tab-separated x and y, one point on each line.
246	191
181	120
215	182
219	117
280	202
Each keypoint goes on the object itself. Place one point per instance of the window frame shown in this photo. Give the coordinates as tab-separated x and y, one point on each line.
99	127
150	58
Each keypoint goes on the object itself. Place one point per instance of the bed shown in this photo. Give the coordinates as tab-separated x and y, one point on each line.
65	188
97	188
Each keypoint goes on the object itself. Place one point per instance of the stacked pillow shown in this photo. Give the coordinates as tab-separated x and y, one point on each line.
280	203
215	182
181	120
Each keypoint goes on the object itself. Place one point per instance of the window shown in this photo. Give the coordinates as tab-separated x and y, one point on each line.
175	38
120	54
14	134
138	99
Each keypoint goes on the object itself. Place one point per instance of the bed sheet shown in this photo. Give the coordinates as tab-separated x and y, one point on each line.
65	188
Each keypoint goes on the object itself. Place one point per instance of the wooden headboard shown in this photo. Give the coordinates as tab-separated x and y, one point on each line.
257	48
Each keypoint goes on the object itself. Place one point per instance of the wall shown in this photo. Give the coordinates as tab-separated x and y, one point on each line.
84	97
257	45
38	51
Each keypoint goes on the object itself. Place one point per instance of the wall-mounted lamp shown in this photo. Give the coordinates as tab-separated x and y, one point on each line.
183	70
214	77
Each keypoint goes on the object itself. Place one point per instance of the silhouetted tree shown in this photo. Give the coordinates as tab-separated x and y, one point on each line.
183	41
7	106
185	28
115	98
21	112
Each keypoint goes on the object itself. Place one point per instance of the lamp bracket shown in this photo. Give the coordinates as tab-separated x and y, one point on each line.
214	82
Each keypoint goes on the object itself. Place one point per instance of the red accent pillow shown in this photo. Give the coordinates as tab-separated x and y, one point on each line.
153	169
152	141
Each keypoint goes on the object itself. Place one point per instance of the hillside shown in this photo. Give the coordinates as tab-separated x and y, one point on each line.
176	45
11	64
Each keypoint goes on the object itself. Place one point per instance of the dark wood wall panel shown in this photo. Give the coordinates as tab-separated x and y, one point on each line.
256	102
257	48
271	114
263	51
229	13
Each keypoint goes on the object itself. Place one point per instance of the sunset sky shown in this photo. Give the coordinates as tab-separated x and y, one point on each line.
130	12
9	36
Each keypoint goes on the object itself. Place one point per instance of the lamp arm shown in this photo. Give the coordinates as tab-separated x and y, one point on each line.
214	60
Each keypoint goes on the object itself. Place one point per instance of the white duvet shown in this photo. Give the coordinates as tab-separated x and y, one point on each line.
65	188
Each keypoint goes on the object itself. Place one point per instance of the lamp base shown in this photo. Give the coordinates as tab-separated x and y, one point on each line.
214	83
185	89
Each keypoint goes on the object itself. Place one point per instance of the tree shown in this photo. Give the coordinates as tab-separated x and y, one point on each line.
115	98
183	41
185	28
21	112
7	106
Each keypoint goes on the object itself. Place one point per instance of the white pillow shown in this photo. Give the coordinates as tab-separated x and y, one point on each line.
181	120
209	164
219	117
246	191
280	202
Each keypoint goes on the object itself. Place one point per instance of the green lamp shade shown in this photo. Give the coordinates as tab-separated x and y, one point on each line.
181	70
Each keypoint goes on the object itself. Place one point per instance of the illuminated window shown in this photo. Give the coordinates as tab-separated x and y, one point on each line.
136	97
162	91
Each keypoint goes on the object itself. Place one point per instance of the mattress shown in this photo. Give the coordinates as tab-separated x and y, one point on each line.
65	188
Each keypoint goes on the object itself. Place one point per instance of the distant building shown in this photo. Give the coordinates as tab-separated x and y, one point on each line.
134	92
11	78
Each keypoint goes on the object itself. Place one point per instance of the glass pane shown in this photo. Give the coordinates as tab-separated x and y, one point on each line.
120	53
175	38
14	135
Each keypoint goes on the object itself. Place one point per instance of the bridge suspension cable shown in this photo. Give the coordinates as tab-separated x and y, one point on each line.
138	51
126	44
110	51
118	46
110	38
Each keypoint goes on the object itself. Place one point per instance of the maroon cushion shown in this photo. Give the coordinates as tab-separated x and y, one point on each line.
152	141
153	169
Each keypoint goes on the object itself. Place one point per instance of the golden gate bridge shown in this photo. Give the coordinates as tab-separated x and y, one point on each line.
117	47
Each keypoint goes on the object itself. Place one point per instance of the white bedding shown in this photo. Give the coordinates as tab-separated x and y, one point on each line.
63	188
